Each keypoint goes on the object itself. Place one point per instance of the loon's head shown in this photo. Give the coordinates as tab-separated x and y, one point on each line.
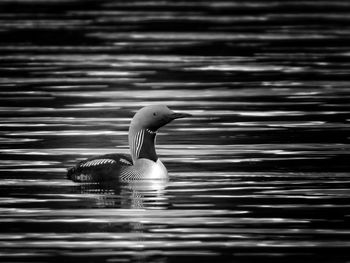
143	128
155	116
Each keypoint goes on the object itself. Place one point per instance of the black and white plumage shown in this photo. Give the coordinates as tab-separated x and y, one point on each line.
144	162
99	168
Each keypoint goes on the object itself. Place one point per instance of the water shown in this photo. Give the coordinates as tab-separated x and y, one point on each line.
260	173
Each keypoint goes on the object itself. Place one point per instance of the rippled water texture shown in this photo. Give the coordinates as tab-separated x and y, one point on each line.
259	174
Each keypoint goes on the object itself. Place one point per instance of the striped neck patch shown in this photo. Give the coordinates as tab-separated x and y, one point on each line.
137	143
142	138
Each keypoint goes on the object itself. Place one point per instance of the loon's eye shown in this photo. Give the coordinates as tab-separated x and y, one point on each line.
154	114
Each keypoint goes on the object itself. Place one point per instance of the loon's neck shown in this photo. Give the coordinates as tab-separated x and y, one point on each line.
141	143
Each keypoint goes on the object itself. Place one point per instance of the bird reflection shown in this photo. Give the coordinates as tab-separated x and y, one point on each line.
134	194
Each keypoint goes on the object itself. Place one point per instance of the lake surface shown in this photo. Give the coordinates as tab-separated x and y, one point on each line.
259	174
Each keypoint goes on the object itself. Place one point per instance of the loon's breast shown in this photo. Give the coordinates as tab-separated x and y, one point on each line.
144	169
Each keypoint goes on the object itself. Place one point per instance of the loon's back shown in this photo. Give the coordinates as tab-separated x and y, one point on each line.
100	168
116	167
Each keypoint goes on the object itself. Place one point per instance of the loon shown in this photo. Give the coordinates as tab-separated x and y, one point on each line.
144	162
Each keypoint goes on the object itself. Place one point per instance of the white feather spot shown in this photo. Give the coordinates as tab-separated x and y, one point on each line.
124	161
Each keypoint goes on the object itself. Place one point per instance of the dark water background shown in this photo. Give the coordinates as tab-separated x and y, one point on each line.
260	174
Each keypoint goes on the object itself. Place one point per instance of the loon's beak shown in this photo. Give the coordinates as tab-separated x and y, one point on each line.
178	115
